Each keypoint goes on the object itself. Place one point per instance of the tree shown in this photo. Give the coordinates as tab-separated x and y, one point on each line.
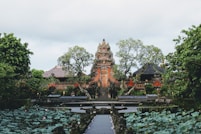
35	83
184	65
151	54
15	53
130	51
76	60
6	71
119	75
14	67
8	89
14	61
6	80
133	53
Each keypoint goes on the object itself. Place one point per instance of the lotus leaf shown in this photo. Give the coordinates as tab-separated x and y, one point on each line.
165	122
195	114
36	123
35	120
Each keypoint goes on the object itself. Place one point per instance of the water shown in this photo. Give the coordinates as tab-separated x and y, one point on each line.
101	124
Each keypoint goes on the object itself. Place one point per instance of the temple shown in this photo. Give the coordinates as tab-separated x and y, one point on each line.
149	71
102	70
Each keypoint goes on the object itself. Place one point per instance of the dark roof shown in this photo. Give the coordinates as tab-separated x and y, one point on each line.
149	69
57	72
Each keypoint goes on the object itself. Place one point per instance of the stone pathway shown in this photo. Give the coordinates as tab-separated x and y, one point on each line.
101	124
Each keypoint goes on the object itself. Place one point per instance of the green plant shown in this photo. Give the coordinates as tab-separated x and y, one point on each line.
138	92
164	122
69	90
149	88
36	120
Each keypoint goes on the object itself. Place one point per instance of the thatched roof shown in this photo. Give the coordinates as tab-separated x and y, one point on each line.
149	69
57	72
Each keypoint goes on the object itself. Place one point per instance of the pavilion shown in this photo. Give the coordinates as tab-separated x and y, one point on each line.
149	71
57	72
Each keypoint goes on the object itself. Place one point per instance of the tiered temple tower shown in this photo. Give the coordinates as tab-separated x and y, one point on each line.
102	72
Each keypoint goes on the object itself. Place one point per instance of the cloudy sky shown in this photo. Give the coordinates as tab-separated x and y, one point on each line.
52	26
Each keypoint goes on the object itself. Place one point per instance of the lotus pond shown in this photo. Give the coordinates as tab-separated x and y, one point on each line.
36	120
39	120
165	122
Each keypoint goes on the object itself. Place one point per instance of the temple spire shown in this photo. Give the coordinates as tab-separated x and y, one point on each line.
102	68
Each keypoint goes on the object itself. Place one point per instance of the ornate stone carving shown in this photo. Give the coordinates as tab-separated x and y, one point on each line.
102	69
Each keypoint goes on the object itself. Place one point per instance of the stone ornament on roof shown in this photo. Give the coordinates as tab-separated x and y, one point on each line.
104	52
103	45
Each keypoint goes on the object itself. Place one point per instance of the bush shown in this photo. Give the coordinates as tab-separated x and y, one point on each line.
138	92
165	121
69	90
149	89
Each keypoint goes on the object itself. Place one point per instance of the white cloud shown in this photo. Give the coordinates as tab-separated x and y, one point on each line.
51	27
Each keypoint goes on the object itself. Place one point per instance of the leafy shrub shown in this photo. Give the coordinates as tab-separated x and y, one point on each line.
69	90
149	89
36	120
164	122
137	92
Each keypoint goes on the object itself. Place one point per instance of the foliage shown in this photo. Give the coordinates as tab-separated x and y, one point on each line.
133	53
6	71
119	123
37	73
94	90
151	54
85	78
130	51
69	90
164	122
35	83
187	103
138	92
7	83
47	86
14	68
118	74
75	60
120	92
81	78
34	86
184	65
149	88
36	120
15	53
165	91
